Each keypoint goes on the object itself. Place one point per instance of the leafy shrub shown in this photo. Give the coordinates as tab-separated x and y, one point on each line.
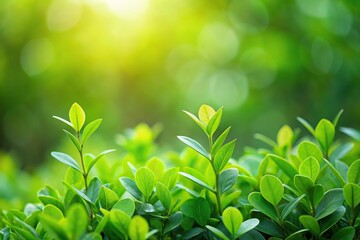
297	189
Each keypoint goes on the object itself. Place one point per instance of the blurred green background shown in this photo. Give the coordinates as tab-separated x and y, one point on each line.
133	61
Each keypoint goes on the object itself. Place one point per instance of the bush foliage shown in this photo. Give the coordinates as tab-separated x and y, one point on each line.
304	188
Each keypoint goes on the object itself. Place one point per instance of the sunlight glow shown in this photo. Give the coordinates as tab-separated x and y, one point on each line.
128	9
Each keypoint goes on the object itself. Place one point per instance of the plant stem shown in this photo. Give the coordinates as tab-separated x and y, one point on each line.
84	173
217	193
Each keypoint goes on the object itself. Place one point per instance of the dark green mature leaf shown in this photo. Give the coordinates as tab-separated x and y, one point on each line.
214	122
74	140
145	181
284	165
253	235
194	145
227	179
331	201
346	233
77	117
296	235
66	159
198	181
94	189
223	156
327	222
259	202
246	226
335	172
324	133
201	211
303	183
119	222
271	189
173	222
77	221
131	187
306	125
163	194
138	228
316	194
90	129
219	141
217	232
354	172
355	134
308	149
232	219
310	167
309	222
352	194
81	194
187	208
26	230
289	207
269	227
192	233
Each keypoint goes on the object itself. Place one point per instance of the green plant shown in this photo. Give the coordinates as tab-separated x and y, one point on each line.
297	189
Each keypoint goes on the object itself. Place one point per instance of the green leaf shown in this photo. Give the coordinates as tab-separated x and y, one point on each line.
206	113
330	220
219	141
192	233
271	228
308	149
354	172
94	161
173	222
285	136
214	122
331	201
310	223
66	159
131	187
81	194
310	167
193	117
74	140
51	200
265	139
94	189
227	179
316	194
290	207
217	232
74	178
53	212
194	145
156	165
107	198
355	134
119	223
246	226
284	165
337	117
296	235
352	194
341	152
346	233
306	125
92	236
271	189
335	172
77	117
163	194
324	133
223	156
197	181
259	202
232	219
64	121
201	211
303	183
145	181
77	220
170	177
53	227
90	129
226	200
138	228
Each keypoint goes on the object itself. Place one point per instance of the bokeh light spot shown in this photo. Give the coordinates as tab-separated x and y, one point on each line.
228	88
218	43
128	9
36	56
63	15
